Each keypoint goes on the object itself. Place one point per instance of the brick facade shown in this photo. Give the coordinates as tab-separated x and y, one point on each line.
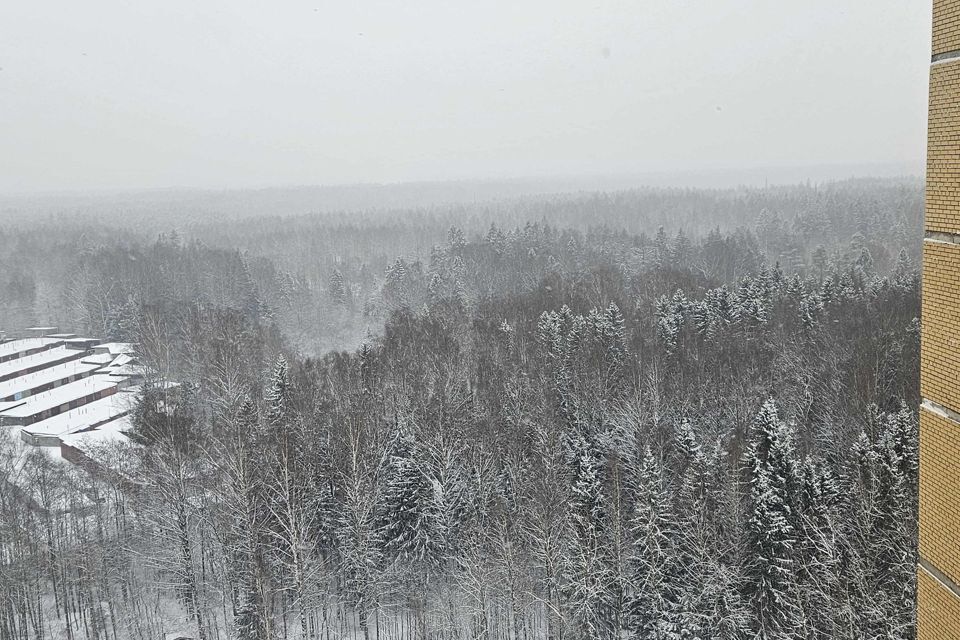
938	576
940	373
943	141
946	26
940	493
938	616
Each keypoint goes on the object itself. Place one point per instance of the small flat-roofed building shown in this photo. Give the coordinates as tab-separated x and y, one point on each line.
60	336
47	433
127	366
81	344
80	447
60	400
37	362
101	452
45	379
39	332
15	349
114	348
103	359
10	404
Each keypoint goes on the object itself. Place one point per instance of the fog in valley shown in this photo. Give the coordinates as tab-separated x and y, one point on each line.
460	321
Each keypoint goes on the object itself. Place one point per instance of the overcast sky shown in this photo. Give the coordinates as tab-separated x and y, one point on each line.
241	93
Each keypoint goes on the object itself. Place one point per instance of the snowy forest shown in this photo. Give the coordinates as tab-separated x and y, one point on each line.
654	414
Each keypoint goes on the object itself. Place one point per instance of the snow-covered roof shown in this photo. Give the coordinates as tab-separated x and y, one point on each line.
99	358
86	417
39	360
121	360
24	344
127	370
10	404
124	365
82	342
112	431
114	348
61	395
44	376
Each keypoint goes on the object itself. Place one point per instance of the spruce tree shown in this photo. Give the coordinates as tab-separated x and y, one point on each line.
338	288
771	535
654	592
278	396
411	514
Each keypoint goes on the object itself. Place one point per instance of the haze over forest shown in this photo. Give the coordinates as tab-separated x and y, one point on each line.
245	95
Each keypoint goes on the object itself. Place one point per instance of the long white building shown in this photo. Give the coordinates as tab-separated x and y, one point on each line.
56	386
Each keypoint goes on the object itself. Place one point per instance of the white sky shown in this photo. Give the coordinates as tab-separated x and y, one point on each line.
241	93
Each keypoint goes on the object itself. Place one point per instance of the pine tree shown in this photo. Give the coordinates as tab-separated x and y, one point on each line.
278	396
496	238
891	521
754	299
670	318
714	313
456	241
687	444
904	275
661	249
772	538
366	356
338	288
588	573
609	342
811	308
587	501
654	599
395	284
411	526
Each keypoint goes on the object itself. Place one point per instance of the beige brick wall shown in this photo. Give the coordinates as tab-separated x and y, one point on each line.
940	368
938	610
943	142
940	493
946	26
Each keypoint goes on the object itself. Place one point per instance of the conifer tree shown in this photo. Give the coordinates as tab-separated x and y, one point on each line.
772	538
278	396
588	572
654	602
338	288
411	526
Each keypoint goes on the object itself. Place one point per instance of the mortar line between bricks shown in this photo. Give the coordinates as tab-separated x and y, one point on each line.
941	237
939	576
942	411
946	56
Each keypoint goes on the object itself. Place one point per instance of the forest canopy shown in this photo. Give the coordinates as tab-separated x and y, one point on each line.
647	414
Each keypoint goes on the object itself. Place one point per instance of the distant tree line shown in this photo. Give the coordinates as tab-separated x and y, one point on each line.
320	278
